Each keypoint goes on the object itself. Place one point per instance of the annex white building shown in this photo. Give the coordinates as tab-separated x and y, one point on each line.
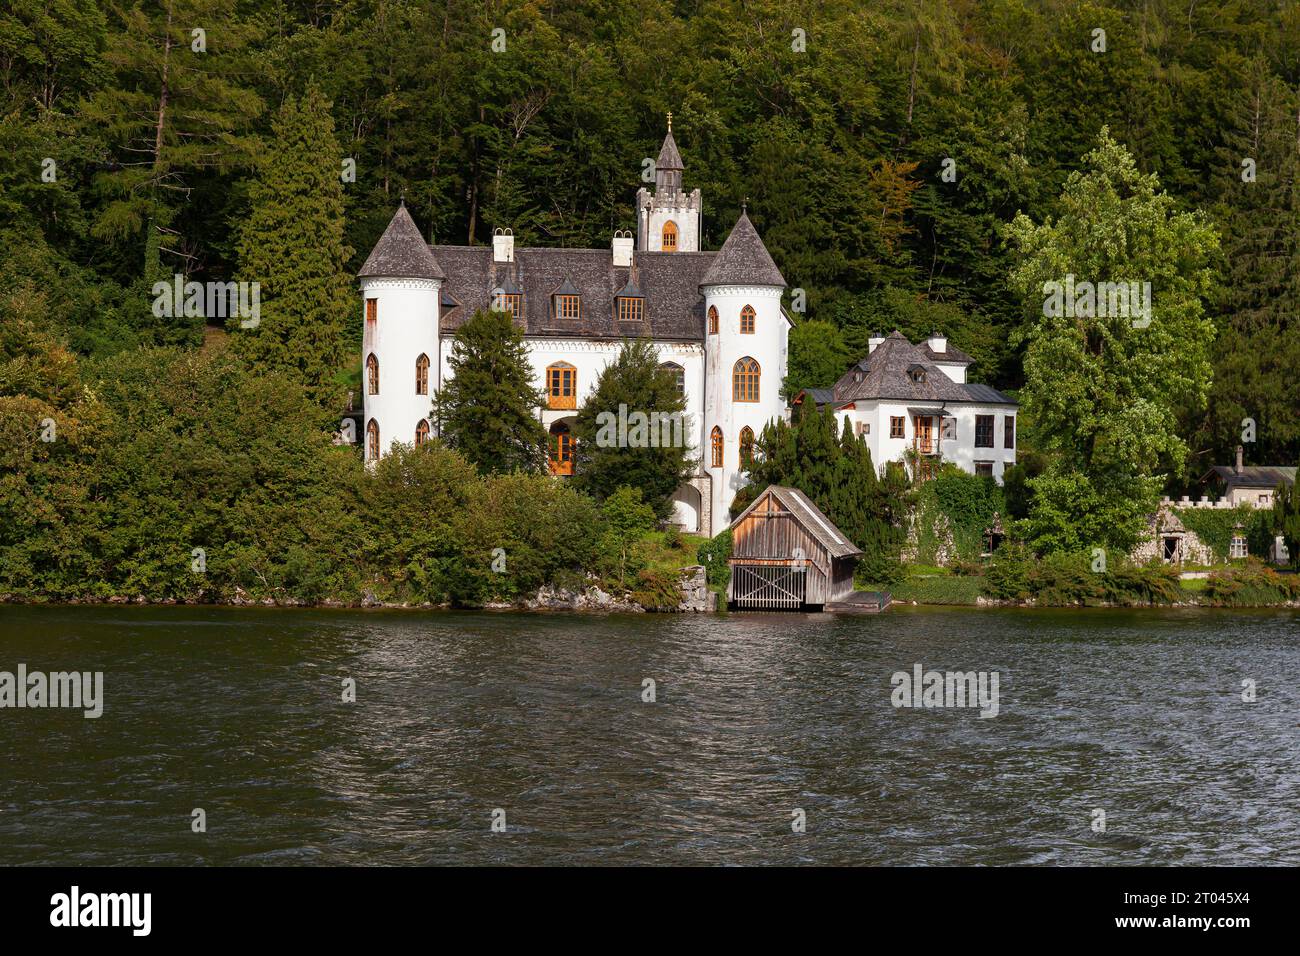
912	404
715	318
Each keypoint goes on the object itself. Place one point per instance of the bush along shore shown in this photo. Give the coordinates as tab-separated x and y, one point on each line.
185	477
1011	578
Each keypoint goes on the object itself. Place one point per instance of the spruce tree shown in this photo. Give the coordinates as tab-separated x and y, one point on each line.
293	246
1286	518
654	458
178	114
488	411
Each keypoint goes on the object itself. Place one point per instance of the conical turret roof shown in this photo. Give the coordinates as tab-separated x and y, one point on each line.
401	252
743	259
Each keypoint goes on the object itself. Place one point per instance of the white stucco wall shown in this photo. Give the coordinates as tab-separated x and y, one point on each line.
961	451
405	326
767	345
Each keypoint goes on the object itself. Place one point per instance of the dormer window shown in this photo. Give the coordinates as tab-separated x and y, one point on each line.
508	297
916	373
567	302
629	303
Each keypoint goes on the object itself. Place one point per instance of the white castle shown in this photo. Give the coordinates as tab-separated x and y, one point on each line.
715	319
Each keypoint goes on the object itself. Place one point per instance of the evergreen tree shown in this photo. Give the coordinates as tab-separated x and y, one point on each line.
292	245
652	451
489	410
1286	518
180	108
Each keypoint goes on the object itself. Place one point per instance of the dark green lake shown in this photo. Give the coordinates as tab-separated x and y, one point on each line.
239	712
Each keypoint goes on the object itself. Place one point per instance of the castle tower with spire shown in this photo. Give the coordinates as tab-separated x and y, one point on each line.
668	220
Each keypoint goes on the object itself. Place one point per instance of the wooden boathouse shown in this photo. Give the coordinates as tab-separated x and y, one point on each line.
787	555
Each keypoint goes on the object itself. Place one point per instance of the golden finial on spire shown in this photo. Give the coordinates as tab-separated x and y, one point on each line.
670	122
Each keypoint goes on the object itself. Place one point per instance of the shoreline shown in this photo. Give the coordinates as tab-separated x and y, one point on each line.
615	606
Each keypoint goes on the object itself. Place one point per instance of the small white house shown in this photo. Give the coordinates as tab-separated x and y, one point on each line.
912	404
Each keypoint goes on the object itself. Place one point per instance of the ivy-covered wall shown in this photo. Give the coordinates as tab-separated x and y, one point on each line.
1215	527
949	515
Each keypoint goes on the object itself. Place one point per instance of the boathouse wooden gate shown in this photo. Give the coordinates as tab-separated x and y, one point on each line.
787	555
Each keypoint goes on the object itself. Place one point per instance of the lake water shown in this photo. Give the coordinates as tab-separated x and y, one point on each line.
240	712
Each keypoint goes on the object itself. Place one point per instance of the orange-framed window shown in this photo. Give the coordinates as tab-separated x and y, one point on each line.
631	308
670	236
372	374
715	440
713	320
896	426
746	447
562	385
421	432
422	375
512	303
747	316
744	380
567	307
372	440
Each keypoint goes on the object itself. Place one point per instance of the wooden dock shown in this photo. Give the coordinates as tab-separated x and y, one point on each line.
861	602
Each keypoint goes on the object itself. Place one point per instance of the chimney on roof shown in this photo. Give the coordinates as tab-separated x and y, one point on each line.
938	342
1236	470
622	248
876	339
503	245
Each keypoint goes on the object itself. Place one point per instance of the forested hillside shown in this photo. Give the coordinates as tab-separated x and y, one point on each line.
141	140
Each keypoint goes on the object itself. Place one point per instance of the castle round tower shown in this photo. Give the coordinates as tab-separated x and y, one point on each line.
401	286
746	335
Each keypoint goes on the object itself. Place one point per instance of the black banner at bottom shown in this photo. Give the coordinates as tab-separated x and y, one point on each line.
336	906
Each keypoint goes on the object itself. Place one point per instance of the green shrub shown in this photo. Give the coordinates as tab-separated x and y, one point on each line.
713	554
1251	584
655	590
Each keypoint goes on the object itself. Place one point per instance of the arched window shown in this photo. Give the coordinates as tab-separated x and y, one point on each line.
679	375
372	441
746	447
744	380
422	375
715	440
562	385
421	432
713	320
670	237
747	316
372	374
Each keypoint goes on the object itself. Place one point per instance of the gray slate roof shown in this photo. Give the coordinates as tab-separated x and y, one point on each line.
669	158
401	252
884	375
810	517
1255	476
669	281
743	259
